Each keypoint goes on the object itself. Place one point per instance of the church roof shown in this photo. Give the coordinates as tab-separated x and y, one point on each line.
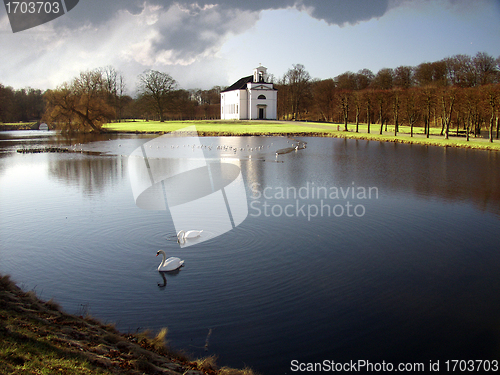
240	85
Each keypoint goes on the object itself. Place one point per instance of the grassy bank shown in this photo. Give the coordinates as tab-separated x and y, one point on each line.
214	127
37	337
225	128
18	126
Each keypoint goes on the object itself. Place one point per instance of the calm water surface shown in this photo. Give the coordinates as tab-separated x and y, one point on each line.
406	269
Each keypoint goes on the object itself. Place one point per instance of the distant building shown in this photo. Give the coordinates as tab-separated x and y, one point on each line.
251	98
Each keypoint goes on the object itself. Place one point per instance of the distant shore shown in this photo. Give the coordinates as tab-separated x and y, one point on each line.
19	126
215	128
308	129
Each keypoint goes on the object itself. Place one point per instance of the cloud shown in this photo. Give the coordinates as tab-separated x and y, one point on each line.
337	12
180	32
182	37
163	32
347	12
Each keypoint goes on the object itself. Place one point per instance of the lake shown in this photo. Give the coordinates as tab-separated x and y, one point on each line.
329	250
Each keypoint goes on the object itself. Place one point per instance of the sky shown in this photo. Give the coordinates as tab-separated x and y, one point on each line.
206	43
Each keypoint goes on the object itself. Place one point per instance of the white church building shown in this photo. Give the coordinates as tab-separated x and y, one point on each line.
251	98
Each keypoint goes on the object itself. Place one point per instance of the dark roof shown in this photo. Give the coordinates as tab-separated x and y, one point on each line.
240	85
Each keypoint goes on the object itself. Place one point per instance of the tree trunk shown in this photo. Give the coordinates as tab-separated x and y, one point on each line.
368	119
497	127
492	121
357	120
396	127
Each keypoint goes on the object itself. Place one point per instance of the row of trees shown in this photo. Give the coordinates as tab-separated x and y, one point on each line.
20	105
99	96
460	92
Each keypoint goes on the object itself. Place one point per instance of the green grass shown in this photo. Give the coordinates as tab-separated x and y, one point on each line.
18	126
212	127
219	127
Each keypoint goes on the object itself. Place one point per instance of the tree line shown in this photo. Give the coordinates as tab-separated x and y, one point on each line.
99	96
459	93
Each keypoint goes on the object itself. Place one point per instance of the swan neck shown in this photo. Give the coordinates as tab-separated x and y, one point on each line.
164	256
181	236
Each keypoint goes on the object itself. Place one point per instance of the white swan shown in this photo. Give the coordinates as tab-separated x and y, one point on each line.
183	235
170	264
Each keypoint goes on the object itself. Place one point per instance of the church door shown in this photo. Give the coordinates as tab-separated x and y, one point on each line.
261	113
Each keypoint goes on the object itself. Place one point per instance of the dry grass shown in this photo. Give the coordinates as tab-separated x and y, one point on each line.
206	363
232	371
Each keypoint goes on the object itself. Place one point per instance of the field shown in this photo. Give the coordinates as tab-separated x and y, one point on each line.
214	127
225	128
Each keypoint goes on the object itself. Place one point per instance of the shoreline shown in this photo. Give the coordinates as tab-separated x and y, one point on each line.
306	129
220	128
495	146
37	336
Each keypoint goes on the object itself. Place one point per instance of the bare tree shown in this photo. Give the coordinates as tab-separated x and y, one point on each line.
364	78
461	71
324	97
81	105
156	88
345	99
486	68
298	81
346	81
383	79
431	74
396	105
403	77
448	97
492	95
411	107
367	98
428	98
114	83
357	98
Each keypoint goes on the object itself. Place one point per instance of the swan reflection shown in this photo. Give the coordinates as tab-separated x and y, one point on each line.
163	275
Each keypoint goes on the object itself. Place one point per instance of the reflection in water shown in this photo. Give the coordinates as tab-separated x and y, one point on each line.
163	275
91	174
452	174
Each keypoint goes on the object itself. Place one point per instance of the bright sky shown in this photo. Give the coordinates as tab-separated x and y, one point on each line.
207	43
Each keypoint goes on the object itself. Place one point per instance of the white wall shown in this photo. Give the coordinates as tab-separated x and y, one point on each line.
270	102
244	104
234	105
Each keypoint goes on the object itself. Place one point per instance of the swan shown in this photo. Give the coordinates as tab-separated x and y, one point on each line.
183	235
170	264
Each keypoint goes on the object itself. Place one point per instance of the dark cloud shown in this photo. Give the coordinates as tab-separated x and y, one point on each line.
337	12
188	28
342	12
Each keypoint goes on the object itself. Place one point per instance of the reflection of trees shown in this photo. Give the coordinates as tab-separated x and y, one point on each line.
451	174
93	174
448	173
